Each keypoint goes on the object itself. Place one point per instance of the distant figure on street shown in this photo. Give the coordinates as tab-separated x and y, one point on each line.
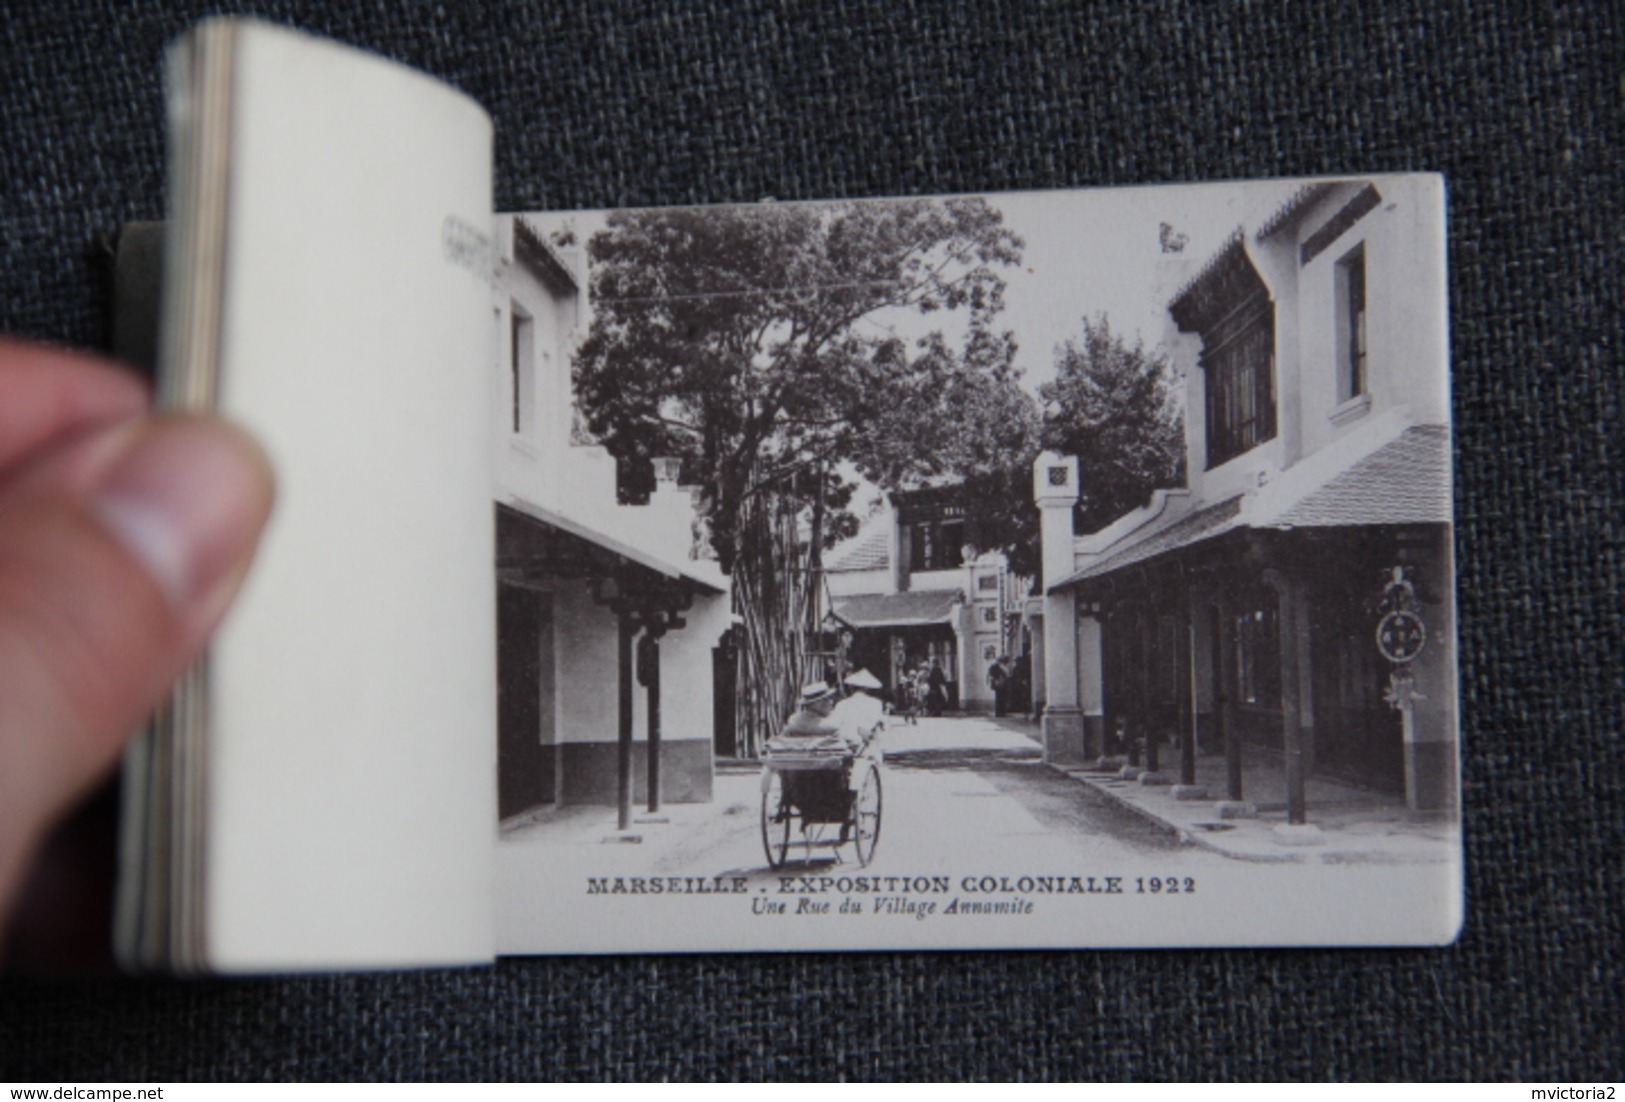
936	698
998	680
1021	688
906	697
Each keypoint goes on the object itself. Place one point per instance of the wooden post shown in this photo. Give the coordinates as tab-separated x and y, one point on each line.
1143	753
1187	761
623	758
1224	672
650	653
1287	614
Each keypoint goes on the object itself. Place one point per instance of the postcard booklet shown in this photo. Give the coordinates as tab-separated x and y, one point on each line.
1055	570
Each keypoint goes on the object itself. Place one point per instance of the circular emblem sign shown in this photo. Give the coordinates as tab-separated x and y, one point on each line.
1401	636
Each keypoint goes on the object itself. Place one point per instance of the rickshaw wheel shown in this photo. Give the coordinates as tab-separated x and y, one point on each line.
866	816
776	815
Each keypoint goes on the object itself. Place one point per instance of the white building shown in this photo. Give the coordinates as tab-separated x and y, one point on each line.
1292	603
606	621
912	588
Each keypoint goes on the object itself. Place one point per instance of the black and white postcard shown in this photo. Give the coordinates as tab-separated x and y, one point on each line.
1046	569
1029	570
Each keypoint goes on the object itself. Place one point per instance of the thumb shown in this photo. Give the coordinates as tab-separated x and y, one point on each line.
119	551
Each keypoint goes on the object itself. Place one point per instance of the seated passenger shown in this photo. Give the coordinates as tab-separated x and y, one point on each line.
818	700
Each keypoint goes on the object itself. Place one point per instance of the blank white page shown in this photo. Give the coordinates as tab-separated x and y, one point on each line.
352	768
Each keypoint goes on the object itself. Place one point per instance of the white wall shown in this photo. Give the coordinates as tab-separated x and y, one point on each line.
685	670
1405	296
530	463
1407	343
937	579
587	662
587	665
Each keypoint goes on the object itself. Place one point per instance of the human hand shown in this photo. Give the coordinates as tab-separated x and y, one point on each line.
123	537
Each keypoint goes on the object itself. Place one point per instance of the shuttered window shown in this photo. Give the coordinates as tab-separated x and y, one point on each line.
1239	358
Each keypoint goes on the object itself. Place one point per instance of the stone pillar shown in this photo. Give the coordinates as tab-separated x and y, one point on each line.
1091	681
1063	719
972	670
1055	489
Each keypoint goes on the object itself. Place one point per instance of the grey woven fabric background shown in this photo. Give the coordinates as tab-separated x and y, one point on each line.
638	103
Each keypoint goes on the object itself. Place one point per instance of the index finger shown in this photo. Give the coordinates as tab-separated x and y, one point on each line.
48	393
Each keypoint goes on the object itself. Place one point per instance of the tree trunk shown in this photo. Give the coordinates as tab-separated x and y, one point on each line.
770	598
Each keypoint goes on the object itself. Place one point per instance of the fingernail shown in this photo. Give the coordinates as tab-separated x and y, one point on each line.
187	501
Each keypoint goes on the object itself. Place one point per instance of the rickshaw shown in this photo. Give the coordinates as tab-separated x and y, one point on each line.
820	792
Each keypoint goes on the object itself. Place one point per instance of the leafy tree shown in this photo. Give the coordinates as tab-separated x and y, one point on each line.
761	345
1114	406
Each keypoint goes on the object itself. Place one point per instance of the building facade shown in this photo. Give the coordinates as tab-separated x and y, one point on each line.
1293	603
606	620
912	588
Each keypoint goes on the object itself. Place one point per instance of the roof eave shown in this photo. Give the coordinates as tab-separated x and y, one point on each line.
636	555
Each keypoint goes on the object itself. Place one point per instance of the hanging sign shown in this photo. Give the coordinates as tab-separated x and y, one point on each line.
1401	634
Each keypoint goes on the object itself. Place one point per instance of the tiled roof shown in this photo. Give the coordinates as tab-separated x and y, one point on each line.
1200	525
871	551
1224	283
532	247
1406	481
703	575
915	607
1288	214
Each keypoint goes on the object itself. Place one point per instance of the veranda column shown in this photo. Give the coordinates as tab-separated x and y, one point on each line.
649	675
610	593
1224	697
623	715
1297	830
1189	704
